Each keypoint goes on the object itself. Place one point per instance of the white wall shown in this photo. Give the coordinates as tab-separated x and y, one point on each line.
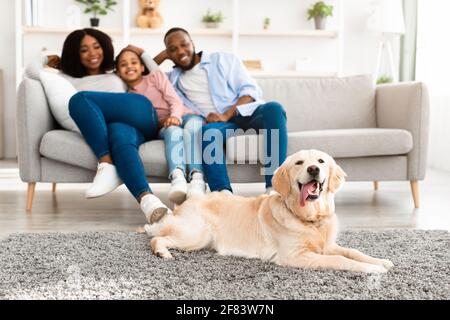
433	67
7	64
360	47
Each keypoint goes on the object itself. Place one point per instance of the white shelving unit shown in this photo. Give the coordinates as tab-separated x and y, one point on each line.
294	33
235	36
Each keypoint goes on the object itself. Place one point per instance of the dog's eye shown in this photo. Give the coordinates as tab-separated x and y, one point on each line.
299	163
321	161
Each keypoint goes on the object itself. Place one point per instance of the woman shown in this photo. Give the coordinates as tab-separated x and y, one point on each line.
113	123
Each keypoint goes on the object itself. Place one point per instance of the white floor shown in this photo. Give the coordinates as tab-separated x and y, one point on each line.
358	206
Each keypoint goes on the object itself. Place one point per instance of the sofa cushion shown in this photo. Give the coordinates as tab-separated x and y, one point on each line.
343	143
58	91
153	155
323	103
70	147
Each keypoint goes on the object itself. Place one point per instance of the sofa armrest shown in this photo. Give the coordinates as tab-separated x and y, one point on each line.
34	119
406	106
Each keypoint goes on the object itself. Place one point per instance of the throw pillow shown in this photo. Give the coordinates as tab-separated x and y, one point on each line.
59	91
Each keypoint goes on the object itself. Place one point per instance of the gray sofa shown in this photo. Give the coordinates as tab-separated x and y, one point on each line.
374	133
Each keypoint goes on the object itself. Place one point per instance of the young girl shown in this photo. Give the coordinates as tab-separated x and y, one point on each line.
179	126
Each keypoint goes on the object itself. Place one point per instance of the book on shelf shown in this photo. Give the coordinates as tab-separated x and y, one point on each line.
34	11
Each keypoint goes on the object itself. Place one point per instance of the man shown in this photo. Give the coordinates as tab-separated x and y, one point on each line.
218	86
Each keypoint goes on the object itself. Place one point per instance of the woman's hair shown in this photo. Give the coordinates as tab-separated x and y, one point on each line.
116	62
70	58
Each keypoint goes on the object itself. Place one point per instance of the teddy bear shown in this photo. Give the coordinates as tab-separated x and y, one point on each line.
149	16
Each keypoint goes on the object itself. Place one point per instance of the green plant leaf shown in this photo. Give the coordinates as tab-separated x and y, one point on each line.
213	17
320	9
384	79
98	6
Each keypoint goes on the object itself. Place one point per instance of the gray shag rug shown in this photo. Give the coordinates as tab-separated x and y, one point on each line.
119	265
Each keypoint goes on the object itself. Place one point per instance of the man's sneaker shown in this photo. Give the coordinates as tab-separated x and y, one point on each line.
270	191
197	186
154	210
178	187
105	181
226	191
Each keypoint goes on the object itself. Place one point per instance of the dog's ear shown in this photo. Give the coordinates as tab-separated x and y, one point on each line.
336	179
281	182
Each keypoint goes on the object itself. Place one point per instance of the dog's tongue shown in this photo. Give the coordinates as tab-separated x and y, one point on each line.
306	189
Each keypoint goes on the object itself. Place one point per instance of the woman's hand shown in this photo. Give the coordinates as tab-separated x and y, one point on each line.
137	50
171	121
216	117
54	61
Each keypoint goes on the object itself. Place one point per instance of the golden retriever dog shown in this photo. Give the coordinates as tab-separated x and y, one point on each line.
296	226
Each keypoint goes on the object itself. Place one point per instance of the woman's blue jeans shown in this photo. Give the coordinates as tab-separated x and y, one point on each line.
184	145
270	116
116	124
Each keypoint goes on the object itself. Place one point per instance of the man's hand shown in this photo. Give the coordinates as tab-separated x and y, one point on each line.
161	57
171	121
216	117
54	61
137	50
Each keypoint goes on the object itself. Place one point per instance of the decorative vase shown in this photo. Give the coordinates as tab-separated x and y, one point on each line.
95	22
320	22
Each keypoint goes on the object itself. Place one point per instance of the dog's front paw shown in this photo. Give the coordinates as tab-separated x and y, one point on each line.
373	268
165	255
386	263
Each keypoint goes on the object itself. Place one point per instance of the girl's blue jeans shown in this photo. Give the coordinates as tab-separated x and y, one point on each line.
116	124
183	145
271	117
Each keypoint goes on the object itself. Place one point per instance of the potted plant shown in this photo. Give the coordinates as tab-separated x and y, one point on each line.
384	80
266	23
212	20
97	7
320	11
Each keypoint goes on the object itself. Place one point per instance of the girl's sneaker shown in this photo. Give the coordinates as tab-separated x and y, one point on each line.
178	187
197	185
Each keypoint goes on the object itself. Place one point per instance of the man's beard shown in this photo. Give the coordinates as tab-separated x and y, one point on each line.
191	65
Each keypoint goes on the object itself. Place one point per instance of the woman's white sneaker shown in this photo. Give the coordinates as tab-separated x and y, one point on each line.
106	180
178	187
154	210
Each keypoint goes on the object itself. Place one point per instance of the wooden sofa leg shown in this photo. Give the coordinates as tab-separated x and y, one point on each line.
30	195
375	185
415	193
53	187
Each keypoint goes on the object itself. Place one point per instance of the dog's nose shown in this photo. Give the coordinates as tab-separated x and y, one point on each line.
313	170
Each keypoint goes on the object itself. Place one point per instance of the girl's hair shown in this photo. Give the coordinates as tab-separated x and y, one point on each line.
116	62
70	58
